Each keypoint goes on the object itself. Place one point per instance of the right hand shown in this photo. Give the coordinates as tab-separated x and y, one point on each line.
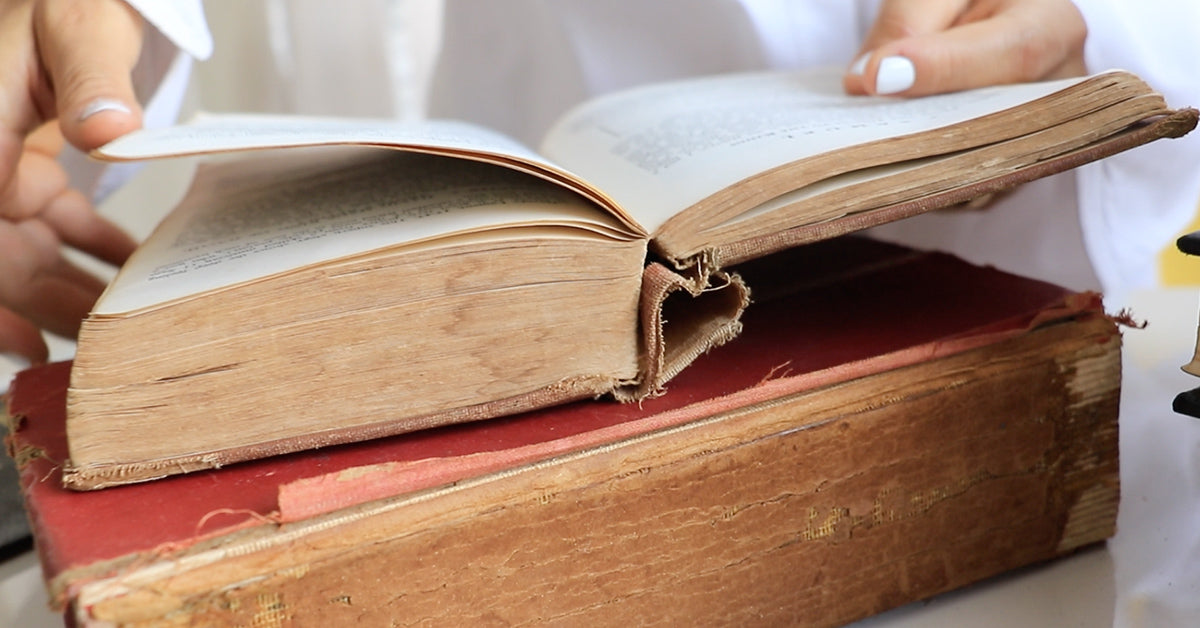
66	66
939	46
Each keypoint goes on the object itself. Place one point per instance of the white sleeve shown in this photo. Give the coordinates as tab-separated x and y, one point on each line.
179	35
1133	204
181	21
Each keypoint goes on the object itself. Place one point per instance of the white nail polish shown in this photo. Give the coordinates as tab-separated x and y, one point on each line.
860	64
896	74
102	104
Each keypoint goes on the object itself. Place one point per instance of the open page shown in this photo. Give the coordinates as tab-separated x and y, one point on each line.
221	133
253	217
661	149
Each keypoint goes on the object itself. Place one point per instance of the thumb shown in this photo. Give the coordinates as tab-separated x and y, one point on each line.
89	48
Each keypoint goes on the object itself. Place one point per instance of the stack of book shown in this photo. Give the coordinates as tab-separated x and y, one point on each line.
703	401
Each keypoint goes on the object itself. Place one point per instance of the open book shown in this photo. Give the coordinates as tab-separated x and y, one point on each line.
464	276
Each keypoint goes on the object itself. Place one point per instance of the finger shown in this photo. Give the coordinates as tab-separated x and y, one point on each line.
46	139
897	20
1007	48
45	288
19	111
1041	40
11	149
79	226
19	336
66	272
58	302
89	48
39	178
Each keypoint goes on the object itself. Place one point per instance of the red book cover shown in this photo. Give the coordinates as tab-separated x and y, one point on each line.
823	314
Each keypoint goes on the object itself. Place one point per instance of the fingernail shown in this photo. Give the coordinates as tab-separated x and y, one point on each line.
860	64
896	74
102	104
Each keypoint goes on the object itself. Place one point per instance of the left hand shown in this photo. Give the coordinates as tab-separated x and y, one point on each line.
66	66
921	47
39	287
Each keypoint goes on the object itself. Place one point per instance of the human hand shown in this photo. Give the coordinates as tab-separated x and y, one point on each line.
920	47
66	66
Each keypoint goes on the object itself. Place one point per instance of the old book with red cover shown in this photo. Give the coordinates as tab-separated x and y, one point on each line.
890	425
